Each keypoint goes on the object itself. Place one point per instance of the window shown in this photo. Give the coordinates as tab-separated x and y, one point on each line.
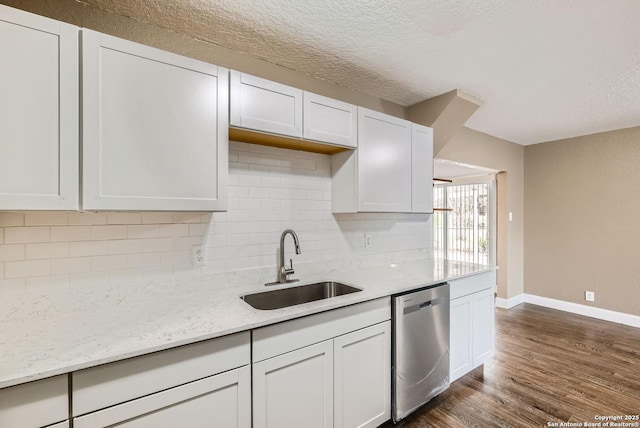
464	230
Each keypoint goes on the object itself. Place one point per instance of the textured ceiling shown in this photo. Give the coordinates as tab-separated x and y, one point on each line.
544	69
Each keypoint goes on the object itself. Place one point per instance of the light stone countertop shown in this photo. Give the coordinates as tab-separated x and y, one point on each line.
47	335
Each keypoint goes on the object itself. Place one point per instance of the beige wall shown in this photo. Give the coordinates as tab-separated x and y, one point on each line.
581	229
480	149
86	16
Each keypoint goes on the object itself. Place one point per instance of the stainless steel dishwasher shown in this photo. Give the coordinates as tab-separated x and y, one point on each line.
420	357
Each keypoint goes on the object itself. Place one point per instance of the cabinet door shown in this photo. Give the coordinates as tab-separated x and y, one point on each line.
421	169
155	128
384	162
35	404
265	106
38	112
295	389
223	400
330	121
460	337
482	304
362	390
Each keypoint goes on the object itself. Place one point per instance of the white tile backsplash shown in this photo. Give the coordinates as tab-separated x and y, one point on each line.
270	189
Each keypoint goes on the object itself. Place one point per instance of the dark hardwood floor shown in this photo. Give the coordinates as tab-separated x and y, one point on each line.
550	367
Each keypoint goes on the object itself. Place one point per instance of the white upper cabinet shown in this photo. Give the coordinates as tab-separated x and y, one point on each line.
391	171
265	106
155	128
384	162
330	121
38	112
268	107
421	169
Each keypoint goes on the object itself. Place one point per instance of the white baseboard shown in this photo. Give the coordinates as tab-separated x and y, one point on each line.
509	303
575	308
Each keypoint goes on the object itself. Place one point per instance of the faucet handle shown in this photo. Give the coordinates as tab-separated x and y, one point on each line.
290	270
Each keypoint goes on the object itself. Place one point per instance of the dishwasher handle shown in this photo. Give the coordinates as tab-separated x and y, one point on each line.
423	305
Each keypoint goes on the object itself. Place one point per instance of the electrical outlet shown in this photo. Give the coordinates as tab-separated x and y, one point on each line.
590	296
368	240
197	255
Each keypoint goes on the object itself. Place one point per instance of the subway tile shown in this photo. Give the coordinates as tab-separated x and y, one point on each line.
11	219
249	180
47	250
28	268
144	231
125	246
71	265
143	260
198	229
103	233
88	279
9	287
47	284
23	235
87	219
175	257
173	230
237	167
185	243
124	218
248	157
258	170
270	181
124	276
238	192
188	217
156	245
45	218
89	248
157	217
12	252
239	146
112	262
70	233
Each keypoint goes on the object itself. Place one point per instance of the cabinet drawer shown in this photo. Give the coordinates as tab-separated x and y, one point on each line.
277	339
222	400
35	404
472	284
99	387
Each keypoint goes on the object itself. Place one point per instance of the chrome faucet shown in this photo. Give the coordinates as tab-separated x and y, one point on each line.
283	272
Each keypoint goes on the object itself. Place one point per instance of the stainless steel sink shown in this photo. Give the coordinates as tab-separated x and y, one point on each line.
284	297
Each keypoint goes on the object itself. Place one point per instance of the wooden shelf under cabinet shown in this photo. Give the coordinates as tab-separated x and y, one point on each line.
246	136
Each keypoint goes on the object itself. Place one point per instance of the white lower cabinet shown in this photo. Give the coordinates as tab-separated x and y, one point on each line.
460	346
200	385
472	326
223	400
362	372
295	389
331	369
35	404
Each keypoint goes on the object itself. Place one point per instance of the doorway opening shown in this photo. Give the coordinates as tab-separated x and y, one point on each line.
464	222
